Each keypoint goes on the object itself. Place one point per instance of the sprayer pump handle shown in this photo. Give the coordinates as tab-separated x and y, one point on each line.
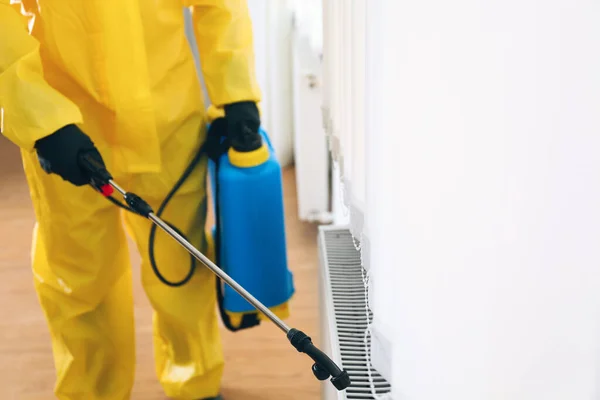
99	176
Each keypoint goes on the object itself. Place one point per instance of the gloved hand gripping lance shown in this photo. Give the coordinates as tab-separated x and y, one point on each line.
323	367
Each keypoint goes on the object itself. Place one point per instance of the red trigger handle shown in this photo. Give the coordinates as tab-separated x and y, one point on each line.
107	190
100	177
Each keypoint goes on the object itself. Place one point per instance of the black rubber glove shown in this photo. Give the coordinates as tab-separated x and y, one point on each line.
243	122
60	154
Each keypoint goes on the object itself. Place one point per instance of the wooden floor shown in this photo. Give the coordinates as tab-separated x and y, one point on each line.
261	365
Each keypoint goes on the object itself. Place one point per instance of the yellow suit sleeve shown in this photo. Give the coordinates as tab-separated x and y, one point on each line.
223	31
29	107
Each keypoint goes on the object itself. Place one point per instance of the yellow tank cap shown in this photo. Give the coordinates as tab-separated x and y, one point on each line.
249	159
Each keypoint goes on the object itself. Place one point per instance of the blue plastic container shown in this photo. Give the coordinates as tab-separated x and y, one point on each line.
252	227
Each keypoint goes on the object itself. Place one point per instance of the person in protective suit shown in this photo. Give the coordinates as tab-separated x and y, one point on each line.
118	79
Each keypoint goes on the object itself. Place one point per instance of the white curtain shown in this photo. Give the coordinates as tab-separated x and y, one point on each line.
344	99
352	100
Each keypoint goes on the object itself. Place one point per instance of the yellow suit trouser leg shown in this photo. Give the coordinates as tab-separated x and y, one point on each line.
82	277
187	343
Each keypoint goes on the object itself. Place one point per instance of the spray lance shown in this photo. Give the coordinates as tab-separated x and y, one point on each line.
102	181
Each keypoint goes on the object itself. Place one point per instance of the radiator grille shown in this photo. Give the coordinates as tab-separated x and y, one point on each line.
351	314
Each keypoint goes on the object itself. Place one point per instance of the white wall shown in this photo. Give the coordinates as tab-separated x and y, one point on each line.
492	152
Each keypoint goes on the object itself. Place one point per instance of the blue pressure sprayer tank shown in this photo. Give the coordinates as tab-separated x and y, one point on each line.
249	233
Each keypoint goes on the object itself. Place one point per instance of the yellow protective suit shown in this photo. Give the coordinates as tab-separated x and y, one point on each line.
123	71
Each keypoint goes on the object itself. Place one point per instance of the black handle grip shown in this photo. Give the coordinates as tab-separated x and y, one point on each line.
95	168
324	366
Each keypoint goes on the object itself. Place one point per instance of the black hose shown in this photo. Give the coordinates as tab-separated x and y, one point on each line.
152	239
195	161
213	147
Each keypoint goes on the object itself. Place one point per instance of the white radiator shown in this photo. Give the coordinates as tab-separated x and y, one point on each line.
345	316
